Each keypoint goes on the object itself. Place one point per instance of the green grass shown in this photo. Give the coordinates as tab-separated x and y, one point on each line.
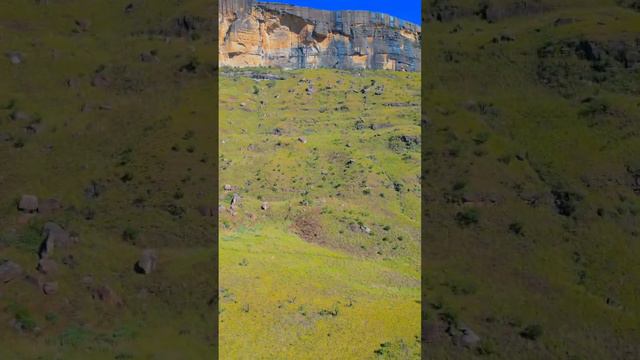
573	277
147	108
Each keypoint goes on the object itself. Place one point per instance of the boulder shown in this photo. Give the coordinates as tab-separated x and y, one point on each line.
468	337
54	236
93	190
264	206
15	57
235	200
228	187
82	25
100	80
302	139
147	262
28	203
105	294
50	287
47	266
9	271
148	57
20	116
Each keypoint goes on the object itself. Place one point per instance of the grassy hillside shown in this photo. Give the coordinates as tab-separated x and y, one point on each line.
532	179
322	244
107	109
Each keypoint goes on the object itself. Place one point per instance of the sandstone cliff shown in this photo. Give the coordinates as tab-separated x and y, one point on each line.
272	34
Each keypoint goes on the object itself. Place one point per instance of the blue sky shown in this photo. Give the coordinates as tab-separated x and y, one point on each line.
403	9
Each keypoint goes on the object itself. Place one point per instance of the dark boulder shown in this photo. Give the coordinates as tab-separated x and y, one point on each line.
147	262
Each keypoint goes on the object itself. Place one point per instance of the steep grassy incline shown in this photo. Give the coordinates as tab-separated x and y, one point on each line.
105	110
532	181
321	244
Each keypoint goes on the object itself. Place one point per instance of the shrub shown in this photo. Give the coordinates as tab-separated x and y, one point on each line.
532	332
130	234
516	228
467	217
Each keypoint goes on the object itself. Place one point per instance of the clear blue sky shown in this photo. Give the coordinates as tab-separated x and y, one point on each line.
404	9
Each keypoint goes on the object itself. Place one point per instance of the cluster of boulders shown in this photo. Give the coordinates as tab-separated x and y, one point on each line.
235	201
54	236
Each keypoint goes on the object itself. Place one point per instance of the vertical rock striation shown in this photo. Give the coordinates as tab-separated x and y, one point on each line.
273	34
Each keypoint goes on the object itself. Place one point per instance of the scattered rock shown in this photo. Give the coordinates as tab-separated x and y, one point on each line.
93	190
70	261
72	83
82	25
47	266
107	295
302	139
468	337
401	143
87	281
33	128
28	203
50	287
9	271
277	131
399	104
20	116
100	81
149	57
235	200
359	228
563	21
147	262
506	37
15	57
54	236
228	187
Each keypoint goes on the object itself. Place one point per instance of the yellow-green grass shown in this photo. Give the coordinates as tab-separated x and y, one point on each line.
280	284
272	264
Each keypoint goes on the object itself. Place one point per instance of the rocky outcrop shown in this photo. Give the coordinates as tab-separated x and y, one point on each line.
291	37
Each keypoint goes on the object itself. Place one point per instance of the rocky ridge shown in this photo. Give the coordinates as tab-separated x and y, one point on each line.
291	37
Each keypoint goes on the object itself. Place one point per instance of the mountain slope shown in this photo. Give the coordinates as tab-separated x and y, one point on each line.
531	192
320	204
92	101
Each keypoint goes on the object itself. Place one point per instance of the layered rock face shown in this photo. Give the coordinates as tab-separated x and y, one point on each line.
272	34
